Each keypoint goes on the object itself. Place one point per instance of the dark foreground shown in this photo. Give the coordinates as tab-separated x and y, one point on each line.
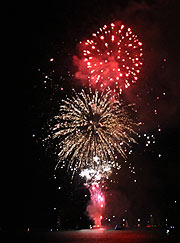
92	236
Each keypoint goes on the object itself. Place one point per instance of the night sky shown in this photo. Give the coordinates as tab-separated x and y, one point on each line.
40	32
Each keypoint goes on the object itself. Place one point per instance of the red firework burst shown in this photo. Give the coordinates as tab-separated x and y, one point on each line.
111	58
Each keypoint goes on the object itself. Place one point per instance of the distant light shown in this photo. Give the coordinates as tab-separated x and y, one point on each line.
96	158
54	209
51	60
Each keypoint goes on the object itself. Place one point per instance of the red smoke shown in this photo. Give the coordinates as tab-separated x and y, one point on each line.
97	204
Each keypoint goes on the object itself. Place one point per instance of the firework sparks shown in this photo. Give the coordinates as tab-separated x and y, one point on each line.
96	175
111	58
95	184
89	126
97	204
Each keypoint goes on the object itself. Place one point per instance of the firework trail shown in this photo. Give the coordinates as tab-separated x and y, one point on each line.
112	57
95	183
91	125
96	206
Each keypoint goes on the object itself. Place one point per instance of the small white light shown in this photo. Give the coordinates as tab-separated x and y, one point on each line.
96	158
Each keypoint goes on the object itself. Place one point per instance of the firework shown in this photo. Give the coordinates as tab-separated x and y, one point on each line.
89	126
96	206
94	181
112	57
96	175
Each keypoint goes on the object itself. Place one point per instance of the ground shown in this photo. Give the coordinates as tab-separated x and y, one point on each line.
95	236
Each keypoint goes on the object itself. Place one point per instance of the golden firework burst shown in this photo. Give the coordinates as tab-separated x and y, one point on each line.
89	125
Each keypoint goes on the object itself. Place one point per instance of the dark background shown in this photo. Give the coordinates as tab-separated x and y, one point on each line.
34	34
